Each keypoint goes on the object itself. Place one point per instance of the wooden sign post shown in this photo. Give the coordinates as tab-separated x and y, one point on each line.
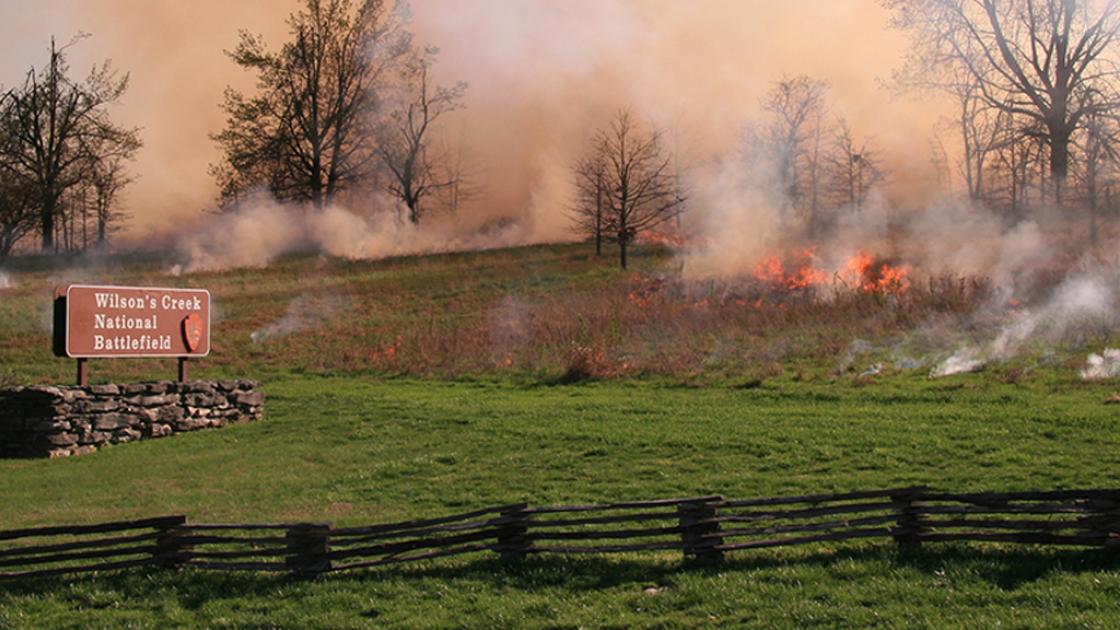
130	322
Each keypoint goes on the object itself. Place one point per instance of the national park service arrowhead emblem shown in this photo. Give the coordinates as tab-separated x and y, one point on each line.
192	331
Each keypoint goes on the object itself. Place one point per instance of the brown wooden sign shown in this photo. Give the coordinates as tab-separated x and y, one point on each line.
108	321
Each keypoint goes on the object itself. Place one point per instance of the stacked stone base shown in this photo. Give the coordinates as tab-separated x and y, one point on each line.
48	421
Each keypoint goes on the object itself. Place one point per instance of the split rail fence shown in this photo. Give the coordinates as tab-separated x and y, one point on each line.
705	527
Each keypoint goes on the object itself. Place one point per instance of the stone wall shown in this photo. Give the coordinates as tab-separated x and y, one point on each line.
49	421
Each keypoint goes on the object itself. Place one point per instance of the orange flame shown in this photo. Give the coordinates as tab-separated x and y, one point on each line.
862	271
388	353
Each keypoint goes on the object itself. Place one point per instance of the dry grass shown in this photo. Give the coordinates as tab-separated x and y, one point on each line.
546	312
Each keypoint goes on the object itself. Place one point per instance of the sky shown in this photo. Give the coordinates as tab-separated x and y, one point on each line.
542	75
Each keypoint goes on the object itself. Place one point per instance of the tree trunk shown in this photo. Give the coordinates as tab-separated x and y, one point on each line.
622	252
46	222
599	218
1059	161
1093	221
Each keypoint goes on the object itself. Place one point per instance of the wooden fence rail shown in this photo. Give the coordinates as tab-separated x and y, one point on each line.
703	527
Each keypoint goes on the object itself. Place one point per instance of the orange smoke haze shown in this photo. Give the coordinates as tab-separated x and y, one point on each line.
542	75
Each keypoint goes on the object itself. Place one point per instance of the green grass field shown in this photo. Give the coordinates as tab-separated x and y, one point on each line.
349	442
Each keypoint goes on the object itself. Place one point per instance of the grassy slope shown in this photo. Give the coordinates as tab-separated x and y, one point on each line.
360	448
318	314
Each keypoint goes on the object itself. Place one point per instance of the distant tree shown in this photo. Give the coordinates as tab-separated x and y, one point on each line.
106	179
589	214
1098	146
1049	61
1014	154
57	129
855	168
309	131
18	212
641	191
979	133
939	162
798	108
414	170
455	169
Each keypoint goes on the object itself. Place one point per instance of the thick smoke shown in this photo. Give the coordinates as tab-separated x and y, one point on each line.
542	76
259	230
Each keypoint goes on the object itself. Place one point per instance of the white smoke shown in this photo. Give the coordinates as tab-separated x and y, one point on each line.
1083	304
302	313
260	230
966	359
252	235
737	218
5	281
1103	365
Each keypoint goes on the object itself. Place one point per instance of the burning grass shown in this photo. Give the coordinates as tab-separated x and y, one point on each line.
548	313
862	272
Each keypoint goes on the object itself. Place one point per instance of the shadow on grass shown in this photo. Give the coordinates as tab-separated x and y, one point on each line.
1004	568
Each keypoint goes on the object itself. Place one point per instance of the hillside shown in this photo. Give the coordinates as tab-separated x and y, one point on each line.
537	314
389	396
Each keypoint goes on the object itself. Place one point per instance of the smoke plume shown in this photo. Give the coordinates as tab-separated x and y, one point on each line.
1083	305
542	75
259	230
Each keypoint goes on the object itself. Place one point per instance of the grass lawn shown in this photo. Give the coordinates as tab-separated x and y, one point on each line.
353	450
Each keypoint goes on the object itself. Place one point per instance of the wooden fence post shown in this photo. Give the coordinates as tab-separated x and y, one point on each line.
1105	520
909	531
308	543
700	529
169	548
513	539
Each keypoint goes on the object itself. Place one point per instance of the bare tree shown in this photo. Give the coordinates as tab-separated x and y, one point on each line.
589	214
939	162
798	109
106	179
978	128
18	213
57	129
406	146
308	132
18	206
641	191
816	155
1045	60
462	186
1015	153
855	167
1099	148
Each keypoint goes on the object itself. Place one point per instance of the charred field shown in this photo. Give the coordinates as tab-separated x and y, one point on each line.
434	384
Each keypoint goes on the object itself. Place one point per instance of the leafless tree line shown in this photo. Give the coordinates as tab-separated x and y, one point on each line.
62	160
346	106
821	168
627	183
1036	86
